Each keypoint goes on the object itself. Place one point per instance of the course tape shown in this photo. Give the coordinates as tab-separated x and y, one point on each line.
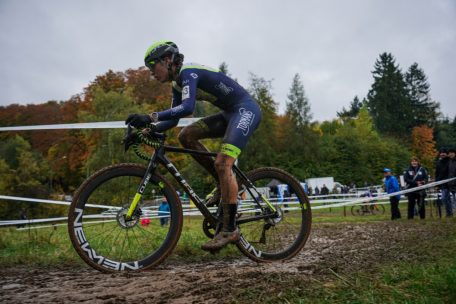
374	198
86	125
190	212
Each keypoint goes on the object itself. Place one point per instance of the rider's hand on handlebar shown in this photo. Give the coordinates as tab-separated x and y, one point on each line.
138	120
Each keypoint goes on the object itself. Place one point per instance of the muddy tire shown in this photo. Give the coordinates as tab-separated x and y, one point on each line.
281	237
101	234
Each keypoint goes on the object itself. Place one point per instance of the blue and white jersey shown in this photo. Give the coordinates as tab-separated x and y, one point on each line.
192	76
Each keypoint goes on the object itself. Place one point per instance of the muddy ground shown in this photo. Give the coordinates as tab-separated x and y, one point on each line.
333	249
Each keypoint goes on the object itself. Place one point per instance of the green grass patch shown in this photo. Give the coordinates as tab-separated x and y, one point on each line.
430	278
52	246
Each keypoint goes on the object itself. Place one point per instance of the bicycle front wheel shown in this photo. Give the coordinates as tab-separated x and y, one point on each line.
105	238
285	230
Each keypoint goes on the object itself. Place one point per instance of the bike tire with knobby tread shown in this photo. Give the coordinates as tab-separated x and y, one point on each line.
274	173
136	170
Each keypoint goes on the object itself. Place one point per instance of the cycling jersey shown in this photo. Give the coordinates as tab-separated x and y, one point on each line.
227	92
240	115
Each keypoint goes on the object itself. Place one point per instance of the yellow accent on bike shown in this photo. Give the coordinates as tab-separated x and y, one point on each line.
268	203
133	205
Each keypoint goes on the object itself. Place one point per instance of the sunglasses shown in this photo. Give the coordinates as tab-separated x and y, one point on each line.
151	62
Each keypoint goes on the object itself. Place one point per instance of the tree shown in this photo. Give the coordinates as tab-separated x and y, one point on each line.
353	111
355	152
423	146
223	67
445	133
298	107
424	109
387	100
260	149
105	145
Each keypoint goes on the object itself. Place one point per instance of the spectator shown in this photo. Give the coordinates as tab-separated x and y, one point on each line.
324	190
317	190
22	217
163	213
415	176
441	173
391	186
309	190
452	173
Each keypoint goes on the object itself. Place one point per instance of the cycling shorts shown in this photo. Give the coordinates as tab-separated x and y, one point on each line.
236	126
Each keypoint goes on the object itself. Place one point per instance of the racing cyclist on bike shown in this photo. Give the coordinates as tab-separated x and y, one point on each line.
240	115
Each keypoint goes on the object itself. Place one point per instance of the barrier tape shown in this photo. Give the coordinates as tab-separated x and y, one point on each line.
190	212
369	199
87	125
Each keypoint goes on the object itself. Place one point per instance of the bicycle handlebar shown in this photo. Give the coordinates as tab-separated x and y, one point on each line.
145	135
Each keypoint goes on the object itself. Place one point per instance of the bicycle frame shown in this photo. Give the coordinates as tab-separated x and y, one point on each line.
159	157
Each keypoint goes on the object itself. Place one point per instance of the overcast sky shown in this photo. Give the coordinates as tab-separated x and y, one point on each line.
51	50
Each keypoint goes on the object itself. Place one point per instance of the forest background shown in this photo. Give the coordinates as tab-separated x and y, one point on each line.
396	119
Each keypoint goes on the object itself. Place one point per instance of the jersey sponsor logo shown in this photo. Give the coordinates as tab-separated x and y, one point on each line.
194	75
176	110
186	81
246	121
224	88
185	92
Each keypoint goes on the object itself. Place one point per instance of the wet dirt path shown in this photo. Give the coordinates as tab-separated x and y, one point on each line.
341	248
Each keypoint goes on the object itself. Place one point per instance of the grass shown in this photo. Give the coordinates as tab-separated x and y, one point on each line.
50	246
430	278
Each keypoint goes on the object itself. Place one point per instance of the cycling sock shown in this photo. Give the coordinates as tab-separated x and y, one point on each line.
229	217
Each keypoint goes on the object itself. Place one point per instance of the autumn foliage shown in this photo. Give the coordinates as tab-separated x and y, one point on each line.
423	145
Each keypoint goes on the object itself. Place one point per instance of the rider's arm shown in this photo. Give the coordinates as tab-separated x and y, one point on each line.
164	125
188	97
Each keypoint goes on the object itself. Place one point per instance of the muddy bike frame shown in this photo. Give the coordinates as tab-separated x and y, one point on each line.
159	157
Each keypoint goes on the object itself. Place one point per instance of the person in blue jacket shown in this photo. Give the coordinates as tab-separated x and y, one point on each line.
391	186
163	213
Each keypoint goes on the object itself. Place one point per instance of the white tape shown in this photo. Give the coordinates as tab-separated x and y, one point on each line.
87	125
37	200
193	211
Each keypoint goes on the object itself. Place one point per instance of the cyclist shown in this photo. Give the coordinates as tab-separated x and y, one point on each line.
240	115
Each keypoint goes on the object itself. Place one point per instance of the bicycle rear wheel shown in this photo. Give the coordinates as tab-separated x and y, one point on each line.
101	234
377	209
282	235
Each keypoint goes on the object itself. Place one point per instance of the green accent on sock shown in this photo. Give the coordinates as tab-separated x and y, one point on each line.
230	150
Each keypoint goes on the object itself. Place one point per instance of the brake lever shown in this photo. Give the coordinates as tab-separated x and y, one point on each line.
130	138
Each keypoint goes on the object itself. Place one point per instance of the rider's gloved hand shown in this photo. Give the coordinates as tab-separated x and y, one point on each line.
138	120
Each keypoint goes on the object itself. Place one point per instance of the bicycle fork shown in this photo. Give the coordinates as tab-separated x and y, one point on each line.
150	170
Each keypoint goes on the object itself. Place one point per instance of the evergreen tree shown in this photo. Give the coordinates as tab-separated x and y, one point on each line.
298	107
387	100
353	111
295	134
445	133
424	109
223	67
260	149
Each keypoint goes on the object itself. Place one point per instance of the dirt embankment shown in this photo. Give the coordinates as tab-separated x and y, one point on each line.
332	248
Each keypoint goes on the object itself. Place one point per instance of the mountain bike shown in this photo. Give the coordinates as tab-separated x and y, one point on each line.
114	225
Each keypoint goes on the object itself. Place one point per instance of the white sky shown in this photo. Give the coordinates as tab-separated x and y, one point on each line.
51	50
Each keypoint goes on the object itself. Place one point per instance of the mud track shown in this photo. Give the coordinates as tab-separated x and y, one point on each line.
332	248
